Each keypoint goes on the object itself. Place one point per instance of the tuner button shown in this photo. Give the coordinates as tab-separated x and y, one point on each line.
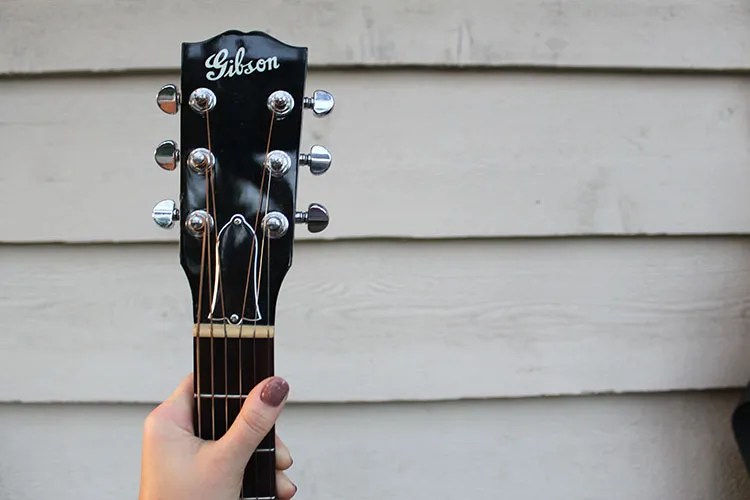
316	218
167	155
168	99
319	160
165	214
321	103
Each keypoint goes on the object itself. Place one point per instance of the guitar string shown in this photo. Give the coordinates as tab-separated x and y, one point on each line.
204	244
269	360
272	469
258	282
250	270
212	370
218	283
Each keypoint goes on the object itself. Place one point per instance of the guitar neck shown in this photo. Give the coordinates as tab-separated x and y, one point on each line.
240	102
228	362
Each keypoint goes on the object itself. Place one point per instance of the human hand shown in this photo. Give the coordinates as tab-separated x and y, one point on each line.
177	465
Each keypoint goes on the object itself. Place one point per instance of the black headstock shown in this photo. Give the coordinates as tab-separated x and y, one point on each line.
241	103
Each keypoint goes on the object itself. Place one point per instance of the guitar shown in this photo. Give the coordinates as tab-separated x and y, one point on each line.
241	102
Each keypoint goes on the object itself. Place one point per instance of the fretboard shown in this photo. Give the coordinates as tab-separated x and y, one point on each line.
226	369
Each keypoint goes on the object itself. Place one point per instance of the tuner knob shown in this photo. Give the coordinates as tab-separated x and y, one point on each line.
167	155
319	160
316	218
165	214
168	99
321	103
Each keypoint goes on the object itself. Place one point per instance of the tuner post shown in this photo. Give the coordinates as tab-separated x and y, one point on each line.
200	160
281	103
316	218
198	222
275	224
202	100
278	163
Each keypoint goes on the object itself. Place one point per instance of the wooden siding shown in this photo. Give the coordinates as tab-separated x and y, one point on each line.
648	447
528	155
110	35
510	318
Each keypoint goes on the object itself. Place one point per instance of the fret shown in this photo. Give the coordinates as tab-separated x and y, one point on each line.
222	396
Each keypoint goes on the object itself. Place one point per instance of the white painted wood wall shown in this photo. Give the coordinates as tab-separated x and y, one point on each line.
536	283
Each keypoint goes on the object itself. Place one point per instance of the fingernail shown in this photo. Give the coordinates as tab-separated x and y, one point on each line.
274	392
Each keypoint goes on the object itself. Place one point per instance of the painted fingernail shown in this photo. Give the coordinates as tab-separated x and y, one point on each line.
274	392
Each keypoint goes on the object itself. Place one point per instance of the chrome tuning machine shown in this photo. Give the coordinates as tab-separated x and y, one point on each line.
318	159
321	103
168	99
167	155
316	218
165	214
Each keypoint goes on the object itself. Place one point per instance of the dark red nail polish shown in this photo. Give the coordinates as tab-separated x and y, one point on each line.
274	392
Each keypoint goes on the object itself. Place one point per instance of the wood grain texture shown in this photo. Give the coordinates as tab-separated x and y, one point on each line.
569	33
527	155
654	447
395	321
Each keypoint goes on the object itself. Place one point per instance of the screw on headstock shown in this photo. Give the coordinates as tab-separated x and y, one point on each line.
318	159
168	99
316	218
321	103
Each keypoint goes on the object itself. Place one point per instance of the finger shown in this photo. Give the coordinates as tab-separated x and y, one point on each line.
257	416
285	488
283	456
178	407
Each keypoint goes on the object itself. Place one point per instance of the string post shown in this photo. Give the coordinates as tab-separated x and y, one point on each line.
280	103
275	224
202	100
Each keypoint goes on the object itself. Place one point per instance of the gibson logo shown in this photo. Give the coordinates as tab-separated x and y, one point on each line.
221	66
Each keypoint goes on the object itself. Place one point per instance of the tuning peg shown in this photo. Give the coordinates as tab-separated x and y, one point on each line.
168	99
321	103
316	218
165	214
318	159
167	155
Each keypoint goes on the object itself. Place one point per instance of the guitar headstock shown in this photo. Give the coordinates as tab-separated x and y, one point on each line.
241	102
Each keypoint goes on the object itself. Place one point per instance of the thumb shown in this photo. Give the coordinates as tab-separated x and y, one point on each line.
255	420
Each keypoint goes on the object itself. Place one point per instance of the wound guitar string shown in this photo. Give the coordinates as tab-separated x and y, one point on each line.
197	347
257	285
266	236
218	285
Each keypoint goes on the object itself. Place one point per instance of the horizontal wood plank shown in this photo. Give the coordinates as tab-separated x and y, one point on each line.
416	154
111	35
383	321
655	447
